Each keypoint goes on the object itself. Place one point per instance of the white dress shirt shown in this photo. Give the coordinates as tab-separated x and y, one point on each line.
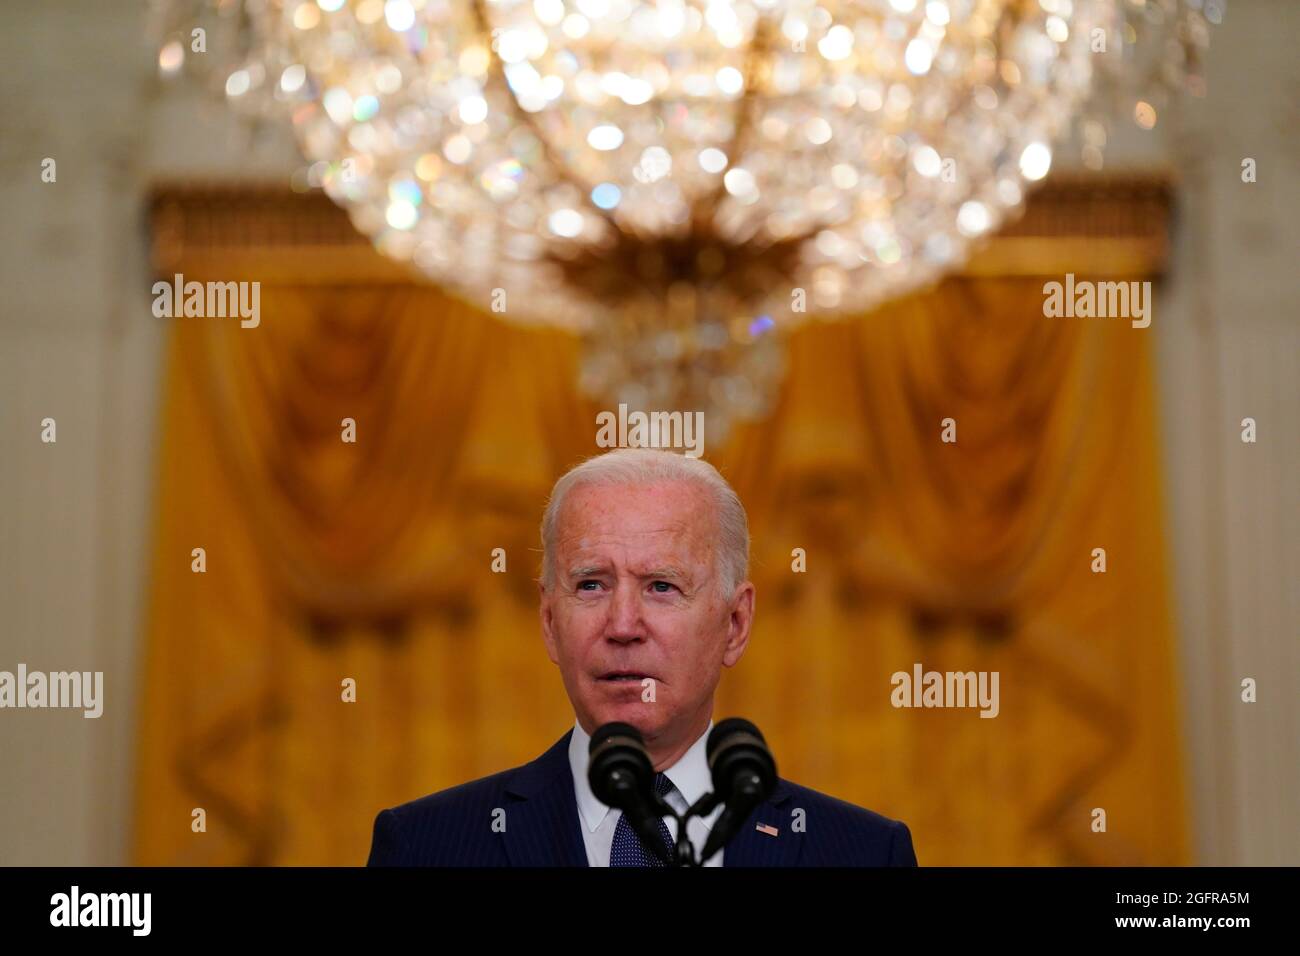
690	778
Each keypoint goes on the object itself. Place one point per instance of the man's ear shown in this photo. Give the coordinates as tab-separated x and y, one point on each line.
548	623
738	624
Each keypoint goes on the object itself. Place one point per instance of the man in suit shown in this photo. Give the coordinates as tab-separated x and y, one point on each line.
644	599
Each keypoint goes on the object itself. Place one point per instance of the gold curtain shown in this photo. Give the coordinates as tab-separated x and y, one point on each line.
328	560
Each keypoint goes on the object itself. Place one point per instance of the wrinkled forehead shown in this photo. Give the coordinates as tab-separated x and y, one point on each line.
664	519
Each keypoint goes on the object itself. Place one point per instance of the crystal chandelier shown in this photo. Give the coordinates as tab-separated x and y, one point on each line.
681	181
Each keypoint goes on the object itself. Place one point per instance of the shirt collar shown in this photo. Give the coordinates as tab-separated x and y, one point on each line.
690	775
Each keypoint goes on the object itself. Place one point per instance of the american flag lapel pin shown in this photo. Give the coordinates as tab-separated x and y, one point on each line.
765	828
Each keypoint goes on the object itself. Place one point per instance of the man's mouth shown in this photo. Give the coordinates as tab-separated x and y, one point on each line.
631	676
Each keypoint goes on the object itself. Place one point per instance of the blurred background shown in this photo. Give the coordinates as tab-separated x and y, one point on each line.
1119	690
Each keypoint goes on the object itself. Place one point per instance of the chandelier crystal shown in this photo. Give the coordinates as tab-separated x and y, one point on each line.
683	181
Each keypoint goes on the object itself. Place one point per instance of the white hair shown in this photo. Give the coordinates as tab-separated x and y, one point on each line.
640	466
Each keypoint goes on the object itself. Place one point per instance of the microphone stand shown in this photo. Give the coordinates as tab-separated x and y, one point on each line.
683	854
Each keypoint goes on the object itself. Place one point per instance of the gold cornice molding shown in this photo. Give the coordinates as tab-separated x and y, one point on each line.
252	228
1112	224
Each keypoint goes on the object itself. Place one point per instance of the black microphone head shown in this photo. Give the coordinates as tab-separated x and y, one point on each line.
728	729
739	758
614	729
618	766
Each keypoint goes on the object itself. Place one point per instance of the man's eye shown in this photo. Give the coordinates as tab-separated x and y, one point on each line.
582	585
666	587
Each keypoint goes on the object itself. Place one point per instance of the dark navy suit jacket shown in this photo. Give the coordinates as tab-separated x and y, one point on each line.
454	827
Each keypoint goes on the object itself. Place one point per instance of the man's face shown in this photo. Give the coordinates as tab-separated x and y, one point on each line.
636	595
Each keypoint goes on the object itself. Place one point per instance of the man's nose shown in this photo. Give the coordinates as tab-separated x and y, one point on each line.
626	622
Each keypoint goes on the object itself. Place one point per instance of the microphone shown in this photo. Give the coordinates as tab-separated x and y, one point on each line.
744	775
622	776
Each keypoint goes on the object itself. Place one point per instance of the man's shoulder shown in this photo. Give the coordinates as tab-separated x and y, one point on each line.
839	833
849	814
446	820
457	825
463	797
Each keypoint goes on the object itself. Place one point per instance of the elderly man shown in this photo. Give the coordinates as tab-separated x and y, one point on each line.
644	600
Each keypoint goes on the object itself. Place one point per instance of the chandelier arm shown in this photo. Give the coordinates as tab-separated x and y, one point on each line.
756	56
525	119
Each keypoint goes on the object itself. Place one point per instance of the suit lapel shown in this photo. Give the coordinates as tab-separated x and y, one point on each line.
542	827
754	847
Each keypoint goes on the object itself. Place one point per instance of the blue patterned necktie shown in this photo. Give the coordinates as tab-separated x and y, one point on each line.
628	850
